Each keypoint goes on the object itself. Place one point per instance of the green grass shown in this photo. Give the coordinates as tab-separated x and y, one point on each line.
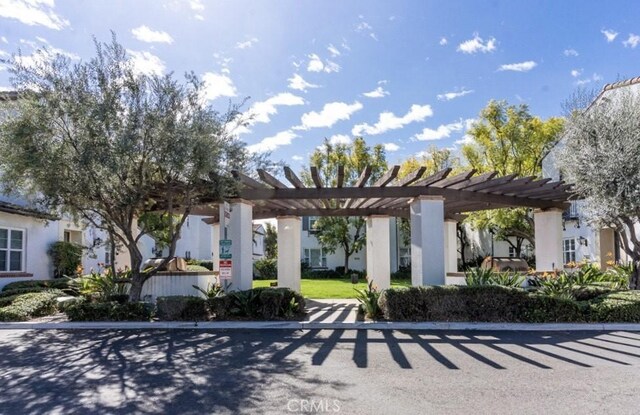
330	288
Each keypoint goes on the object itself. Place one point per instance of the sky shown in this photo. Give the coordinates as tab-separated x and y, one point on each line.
405	74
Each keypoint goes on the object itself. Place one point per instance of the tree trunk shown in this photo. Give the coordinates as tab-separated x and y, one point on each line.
346	262
634	279
137	282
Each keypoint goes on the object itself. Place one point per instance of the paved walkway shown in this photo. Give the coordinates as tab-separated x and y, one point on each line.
332	311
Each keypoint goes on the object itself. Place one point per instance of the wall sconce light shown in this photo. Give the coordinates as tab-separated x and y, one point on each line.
583	241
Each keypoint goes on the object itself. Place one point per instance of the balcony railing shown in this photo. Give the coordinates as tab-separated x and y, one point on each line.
572	212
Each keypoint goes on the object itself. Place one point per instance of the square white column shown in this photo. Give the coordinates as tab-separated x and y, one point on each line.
548	234
427	241
378	251
215	244
241	235
289	248
450	246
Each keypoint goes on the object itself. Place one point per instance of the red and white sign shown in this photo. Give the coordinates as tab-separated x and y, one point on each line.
225	269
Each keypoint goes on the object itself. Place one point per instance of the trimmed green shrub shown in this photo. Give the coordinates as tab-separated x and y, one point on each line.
620	307
59	283
322	274
266	269
26	306
479	303
198	268
182	307
84	310
262	303
66	257
202	263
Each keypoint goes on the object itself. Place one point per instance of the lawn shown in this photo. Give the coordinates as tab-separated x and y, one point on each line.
330	288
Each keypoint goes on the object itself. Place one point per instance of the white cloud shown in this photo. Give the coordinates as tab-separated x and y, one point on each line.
146	63
518	67
316	65
339	139
333	51
364	27
198	7
594	78
146	34
632	41
443	41
345	45
444	130
261	112
218	85
4	39
42	52
379	92
283	138
391	147
297	158
247	43
466	139
298	83
448	96
570	52
33	13
389	121
477	44
609	34
576	72
331	113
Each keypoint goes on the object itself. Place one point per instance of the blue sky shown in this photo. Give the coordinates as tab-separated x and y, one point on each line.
407	74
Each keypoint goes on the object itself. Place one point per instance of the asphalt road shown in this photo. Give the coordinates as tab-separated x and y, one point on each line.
346	372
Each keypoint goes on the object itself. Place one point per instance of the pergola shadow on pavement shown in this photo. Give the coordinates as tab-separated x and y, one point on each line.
238	372
433	204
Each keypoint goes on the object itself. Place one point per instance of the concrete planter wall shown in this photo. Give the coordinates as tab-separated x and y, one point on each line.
176	283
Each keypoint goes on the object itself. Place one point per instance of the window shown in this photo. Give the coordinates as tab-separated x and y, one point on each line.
11	249
512	252
108	255
187	254
316	258
569	250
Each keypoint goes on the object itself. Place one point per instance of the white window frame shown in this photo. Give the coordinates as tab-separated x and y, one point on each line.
108	255
323	257
512	252
569	250
22	250
404	255
312	221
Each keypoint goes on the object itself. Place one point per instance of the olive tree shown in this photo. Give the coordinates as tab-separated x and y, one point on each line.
104	144
599	153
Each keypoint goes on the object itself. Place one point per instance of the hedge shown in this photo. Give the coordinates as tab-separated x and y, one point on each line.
179	307
502	304
58	283
23	307
262	303
84	310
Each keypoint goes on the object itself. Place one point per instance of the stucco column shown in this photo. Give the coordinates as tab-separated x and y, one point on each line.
548	231
427	241
450	246
215	244
379	251
289	251
241	235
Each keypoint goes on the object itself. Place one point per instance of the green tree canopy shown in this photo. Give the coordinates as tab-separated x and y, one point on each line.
347	233
507	139
100	142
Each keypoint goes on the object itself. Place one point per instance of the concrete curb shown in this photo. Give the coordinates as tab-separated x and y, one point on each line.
310	325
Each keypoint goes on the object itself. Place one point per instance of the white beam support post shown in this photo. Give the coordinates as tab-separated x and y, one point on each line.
548	231
378	251
450	246
241	235
289	251
215	244
427	241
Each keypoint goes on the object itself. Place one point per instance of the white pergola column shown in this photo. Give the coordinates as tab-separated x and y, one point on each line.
289	251
215	244
450	246
378	251
427	241
241	235
548	231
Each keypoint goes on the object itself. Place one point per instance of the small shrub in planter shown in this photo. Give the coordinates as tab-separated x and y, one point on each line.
66	258
198	268
34	285
261	303
84	310
180	307
23	307
620	307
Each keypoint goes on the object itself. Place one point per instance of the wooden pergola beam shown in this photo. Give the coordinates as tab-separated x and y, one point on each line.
315	176
388	177
493	183
297	183
482	178
412	177
434	178
453	180
340	176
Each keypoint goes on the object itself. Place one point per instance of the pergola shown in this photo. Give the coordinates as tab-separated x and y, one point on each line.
433	203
